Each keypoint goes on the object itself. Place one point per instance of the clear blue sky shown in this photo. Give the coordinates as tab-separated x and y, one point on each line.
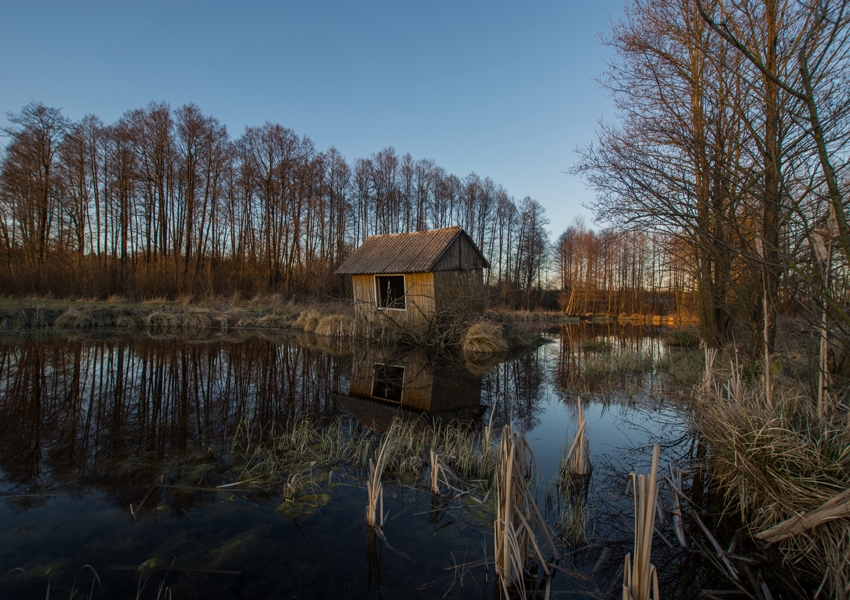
504	89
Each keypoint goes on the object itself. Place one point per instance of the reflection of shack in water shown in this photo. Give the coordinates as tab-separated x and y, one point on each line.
385	384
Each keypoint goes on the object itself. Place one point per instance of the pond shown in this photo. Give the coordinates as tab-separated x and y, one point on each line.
120	472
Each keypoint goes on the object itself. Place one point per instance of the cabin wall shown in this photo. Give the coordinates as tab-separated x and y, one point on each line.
461	254
463	289
419	299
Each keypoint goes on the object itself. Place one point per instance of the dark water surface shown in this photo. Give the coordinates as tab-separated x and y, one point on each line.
93	430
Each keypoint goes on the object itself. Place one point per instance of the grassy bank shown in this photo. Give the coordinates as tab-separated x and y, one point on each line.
783	467
492	333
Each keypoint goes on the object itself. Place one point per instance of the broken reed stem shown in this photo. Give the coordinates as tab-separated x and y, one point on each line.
435	465
516	513
640	577
375	489
577	459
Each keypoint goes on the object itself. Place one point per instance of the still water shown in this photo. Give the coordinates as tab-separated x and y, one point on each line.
97	430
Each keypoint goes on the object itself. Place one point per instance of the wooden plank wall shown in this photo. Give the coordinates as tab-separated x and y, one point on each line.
461	254
462	288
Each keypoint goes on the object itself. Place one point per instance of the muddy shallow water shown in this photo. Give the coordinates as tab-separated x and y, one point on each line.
97	431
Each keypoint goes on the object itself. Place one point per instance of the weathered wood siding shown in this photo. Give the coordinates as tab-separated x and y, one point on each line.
419	298
464	289
460	254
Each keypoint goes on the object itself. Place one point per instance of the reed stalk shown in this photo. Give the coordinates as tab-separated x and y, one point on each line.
640	579
515	540
577	459
375	489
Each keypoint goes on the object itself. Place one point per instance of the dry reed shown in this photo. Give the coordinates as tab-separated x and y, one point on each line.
375	489
577	459
640	579
515	540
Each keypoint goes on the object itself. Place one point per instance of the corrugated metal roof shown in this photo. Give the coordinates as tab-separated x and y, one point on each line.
400	252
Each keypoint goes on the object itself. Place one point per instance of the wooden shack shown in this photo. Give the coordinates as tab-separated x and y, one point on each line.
409	277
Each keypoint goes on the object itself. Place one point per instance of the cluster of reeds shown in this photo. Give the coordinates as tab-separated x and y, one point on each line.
573	481
640	579
784	466
295	455
518	520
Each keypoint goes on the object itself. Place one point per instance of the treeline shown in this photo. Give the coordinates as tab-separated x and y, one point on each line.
164	203
622	273
732	133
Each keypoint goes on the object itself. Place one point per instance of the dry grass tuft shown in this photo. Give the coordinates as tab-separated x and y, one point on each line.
484	338
335	325
127	322
231	317
76	317
308	320
161	321
196	319
273	321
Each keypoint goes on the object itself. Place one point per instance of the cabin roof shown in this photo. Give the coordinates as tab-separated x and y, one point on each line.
404	252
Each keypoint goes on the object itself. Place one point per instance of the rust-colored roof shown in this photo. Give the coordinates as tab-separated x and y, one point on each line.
402	252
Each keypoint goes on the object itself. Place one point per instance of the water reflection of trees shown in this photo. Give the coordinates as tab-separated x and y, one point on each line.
581	343
513	390
77	414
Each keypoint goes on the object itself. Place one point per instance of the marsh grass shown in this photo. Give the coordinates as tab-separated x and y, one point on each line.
484	338
335	325
74	593
291	459
779	461
596	346
682	338
308	320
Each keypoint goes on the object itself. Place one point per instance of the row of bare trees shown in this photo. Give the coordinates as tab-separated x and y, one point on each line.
734	117
163	202
621	272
